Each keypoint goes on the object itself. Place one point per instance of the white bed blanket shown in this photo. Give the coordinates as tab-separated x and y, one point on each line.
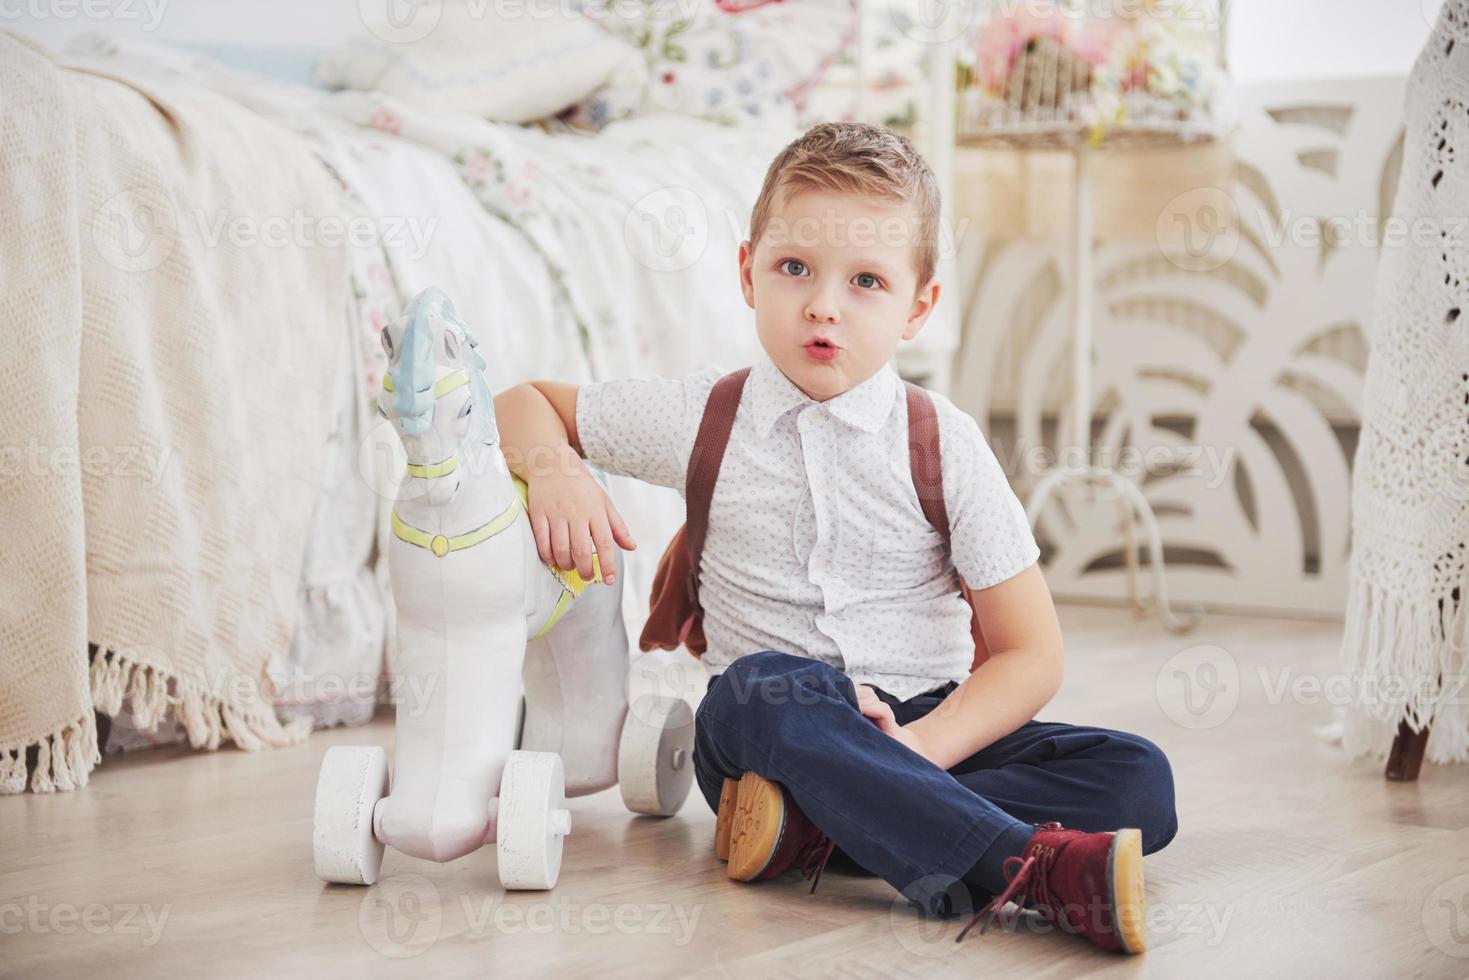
173	383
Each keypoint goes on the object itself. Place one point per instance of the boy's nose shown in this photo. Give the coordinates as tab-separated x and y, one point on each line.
822	311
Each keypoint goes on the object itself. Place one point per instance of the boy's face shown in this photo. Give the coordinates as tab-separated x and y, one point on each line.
834	267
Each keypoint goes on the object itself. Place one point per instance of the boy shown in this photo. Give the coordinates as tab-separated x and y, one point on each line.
841	711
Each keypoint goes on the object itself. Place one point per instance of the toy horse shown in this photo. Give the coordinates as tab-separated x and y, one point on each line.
483	623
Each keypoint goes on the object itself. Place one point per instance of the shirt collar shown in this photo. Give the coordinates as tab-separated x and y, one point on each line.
771	395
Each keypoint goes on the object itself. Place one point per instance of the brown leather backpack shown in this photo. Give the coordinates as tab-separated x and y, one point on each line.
675	617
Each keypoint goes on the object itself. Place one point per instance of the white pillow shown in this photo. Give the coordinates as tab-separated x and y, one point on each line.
468	58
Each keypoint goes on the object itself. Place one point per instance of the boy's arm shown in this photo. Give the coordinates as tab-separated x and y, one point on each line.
529	433
571	515
1022	674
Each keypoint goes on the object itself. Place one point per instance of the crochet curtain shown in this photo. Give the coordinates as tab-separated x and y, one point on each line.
1406	644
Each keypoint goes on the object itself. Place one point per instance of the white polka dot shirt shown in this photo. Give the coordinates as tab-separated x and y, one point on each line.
817	545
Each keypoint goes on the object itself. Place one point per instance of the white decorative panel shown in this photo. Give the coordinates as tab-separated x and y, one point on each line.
1228	362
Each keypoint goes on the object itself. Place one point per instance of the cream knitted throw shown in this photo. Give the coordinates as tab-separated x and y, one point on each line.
162	411
1406	644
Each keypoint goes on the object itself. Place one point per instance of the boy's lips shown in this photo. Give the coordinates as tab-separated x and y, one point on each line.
821	350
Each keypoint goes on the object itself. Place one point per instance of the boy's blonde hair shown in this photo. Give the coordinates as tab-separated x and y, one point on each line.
862	159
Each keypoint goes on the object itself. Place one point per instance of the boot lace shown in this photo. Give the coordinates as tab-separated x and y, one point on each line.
1028	882
813	857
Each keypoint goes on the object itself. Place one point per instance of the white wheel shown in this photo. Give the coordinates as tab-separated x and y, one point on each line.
353	778
655	755
532	821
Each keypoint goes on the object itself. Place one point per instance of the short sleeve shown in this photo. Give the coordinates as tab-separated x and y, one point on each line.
643	427
989	534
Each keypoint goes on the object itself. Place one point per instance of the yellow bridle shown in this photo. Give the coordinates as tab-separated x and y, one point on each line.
446	384
440	545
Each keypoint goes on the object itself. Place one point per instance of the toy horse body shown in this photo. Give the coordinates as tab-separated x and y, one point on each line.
483	622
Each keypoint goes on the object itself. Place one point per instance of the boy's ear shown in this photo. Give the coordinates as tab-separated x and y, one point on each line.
923	305
747	261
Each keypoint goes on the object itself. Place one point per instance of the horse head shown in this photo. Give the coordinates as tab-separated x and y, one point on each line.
435	394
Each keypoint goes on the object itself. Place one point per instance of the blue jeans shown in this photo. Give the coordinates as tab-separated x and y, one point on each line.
895	814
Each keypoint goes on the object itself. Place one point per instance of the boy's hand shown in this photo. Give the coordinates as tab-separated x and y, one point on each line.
882	716
572	516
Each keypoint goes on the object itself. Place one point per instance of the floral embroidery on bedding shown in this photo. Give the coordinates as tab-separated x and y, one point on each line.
374	294
385	120
733	62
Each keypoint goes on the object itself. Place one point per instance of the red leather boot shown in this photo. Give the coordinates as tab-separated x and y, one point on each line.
1090	884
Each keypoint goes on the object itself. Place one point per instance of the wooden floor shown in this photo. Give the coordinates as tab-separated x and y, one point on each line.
1289	860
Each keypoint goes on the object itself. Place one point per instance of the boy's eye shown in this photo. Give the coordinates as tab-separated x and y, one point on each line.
793	267
867	280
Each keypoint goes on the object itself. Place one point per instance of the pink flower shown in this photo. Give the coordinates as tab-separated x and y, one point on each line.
476	167
1097	39
1005	36
521	191
385	120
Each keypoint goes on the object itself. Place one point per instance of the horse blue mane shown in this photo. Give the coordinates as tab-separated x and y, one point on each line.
413	379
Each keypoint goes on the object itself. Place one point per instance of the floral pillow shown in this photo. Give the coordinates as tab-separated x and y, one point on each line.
729	61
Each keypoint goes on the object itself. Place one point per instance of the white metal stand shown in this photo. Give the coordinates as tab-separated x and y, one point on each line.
1132	503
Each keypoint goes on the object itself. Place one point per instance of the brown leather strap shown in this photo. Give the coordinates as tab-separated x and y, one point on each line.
704	463
925	459
926	462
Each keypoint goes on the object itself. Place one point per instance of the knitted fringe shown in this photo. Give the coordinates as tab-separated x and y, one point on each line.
66	757
1410	661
